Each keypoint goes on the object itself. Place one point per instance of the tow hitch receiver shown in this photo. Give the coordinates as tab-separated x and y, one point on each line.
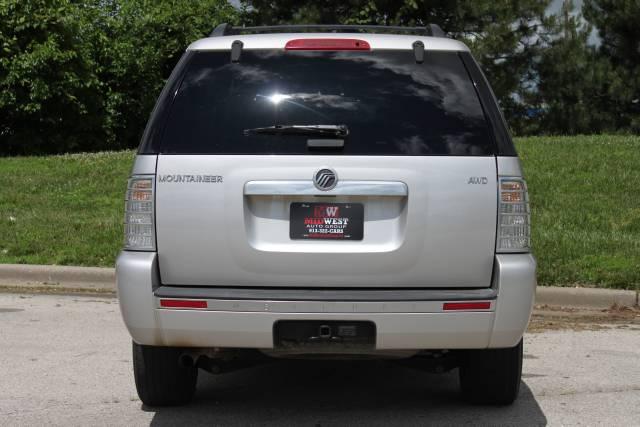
322	335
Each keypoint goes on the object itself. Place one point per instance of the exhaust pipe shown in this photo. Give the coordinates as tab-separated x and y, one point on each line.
219	364
210	365
187	360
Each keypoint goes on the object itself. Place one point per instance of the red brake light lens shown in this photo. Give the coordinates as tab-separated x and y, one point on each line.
327	44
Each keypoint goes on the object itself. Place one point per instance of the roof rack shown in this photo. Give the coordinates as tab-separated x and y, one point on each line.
432	30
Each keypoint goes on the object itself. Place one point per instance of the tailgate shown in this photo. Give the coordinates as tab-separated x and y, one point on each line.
414	221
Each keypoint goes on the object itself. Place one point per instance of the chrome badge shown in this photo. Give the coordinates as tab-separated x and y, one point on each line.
325	179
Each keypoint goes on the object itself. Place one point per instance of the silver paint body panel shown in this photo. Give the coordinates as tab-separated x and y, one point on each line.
509	166
424	224
144	164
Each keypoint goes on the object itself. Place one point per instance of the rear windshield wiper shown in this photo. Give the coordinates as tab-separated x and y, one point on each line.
315	130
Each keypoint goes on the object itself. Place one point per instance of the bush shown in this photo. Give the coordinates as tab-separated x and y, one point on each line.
49	92
84	77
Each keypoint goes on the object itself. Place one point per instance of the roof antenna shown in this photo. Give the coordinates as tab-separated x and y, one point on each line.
418	51
236	50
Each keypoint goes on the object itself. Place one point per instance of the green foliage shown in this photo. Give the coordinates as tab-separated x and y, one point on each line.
85	75
47	88
617	22
137	44
578	89
571	79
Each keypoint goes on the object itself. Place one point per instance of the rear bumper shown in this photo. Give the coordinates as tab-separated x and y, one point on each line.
416	322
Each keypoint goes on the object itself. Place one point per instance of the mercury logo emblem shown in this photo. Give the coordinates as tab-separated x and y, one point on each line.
325	179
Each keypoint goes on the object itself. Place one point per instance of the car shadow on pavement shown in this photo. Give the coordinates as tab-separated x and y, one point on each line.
339	393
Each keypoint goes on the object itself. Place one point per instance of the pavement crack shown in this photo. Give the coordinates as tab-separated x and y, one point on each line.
599	391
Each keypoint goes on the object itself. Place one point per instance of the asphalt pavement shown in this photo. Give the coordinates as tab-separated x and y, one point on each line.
65	360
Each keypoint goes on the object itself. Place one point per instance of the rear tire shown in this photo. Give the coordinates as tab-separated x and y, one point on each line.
160	379
491	376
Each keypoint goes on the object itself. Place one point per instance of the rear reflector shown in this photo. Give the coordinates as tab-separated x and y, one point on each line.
182	303
481	305
327	44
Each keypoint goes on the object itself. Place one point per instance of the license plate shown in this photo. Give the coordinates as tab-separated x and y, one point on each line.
326	221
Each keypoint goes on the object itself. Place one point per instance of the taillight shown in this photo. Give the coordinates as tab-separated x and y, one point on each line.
327	44
139	230
514	219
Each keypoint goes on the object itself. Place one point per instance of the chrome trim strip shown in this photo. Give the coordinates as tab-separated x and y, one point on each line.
344	188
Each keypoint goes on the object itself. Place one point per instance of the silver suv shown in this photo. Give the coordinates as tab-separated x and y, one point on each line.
313	191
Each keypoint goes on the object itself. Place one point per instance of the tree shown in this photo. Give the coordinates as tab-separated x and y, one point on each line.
47	89
83	76
570	93
137	44
617	24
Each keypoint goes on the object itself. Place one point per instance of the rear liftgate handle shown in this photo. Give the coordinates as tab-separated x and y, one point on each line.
343	188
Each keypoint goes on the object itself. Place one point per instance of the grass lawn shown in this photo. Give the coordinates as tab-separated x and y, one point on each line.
585	201
584	197
65	210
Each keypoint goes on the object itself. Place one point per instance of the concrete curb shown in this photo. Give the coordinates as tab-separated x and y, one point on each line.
584	297
44	278
57	278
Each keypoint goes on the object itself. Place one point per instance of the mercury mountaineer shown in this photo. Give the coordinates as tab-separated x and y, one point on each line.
326	191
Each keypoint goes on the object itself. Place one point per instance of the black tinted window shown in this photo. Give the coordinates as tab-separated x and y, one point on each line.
390	104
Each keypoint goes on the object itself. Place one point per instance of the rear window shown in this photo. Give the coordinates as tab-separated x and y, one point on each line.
390	104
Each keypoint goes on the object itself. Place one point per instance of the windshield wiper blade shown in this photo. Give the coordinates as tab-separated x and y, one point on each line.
316	130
